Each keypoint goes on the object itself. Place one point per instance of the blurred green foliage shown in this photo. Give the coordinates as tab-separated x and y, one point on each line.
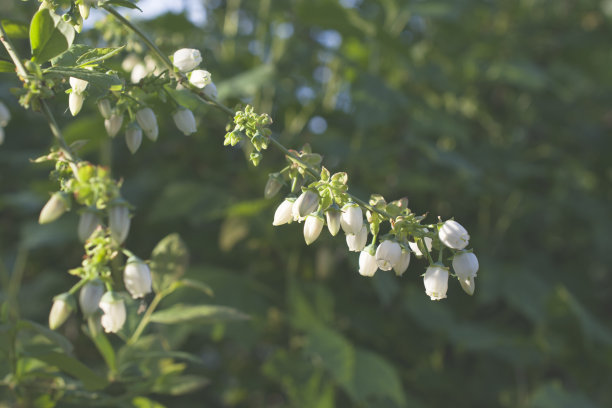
495	112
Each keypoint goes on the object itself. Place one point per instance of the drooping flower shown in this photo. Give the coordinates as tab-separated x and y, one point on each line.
114	315
388	255
148	122
185	121
273	185
119	222
90	295
78	85
57	205
75	102
133	138
210	90
283	212
200	78
351	219
60	311
465	265
88	222
402	265
137	277
453	235
356	242
367	262
333	220
312	228
305	204
436	282
104	106
187	59
113	124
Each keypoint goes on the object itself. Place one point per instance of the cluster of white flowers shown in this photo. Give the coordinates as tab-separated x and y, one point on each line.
5	117
93	298
392	253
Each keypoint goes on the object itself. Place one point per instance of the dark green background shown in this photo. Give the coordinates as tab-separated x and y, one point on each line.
495	112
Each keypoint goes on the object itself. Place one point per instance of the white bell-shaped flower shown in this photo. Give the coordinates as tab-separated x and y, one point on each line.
273	185
305	204
137	277
113	124
5	115
283	213
187	59
75	102
402	265
54	208
88	222
60	311
133	138
185	121
367	262
312	228
356	242
415	247
105	108
114	315
333	221
210	90
436	282
465	265
119	222
139	71
78	85
351	219
199	78
388	254
148	123
453	235
90	295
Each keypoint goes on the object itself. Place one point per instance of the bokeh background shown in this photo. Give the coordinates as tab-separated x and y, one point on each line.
498	113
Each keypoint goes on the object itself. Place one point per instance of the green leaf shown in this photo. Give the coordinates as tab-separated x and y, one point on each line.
100	82
15	29
122	3
51	335
179	385
143	402
49	35
6	66
72	366
169	260
185	98
98	54
69	57
180	313
335	352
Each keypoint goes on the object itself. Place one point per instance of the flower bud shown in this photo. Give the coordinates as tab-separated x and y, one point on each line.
436	282
104	106
351	219
401	265
210	90
119	222
333	220
133	137
88	222
305	204
148	122
78	85
113	124
283	212
388	255
184	121
356	242
60	311
137	277
367	262
468	285
186	59
55	207
84	10
90	295
199	78
453	235
312	228
75	102
5	115
113	307
273	185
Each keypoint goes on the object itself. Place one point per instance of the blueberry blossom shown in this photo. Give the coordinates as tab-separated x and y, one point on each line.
88	222
367	262
453	235
312	228
465	265
133	137
60	311
186	59
305	204
90	295
114	315
402	265
351	219
137	277
356	242
148	123
199	78
119	222
283	214
436	282
185	121
333	220
388	255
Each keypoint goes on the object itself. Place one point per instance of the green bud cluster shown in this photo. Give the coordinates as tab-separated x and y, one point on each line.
247	123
